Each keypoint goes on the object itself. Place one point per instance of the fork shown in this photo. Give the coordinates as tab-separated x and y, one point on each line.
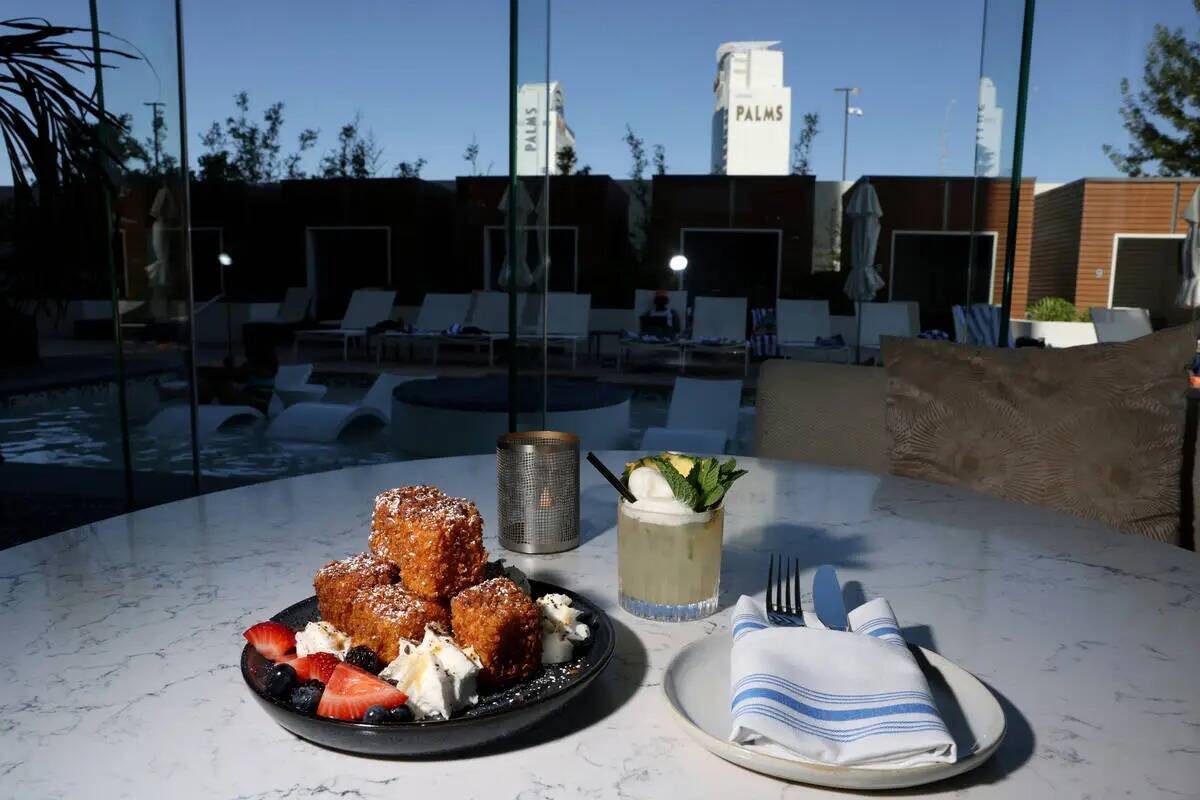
783	607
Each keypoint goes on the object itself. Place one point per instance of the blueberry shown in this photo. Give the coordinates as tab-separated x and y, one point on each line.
306	697
400	713
376	715
364	657
281	679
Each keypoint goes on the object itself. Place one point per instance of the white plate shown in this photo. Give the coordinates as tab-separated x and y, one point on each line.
696	685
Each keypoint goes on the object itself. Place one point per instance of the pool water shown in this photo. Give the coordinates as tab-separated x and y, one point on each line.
82	430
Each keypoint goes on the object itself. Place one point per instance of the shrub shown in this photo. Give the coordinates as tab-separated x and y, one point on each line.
1055	309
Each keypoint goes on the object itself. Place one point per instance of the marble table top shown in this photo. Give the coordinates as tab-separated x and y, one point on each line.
119	677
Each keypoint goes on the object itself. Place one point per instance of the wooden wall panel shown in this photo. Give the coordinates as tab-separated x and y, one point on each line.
992	215
1054	260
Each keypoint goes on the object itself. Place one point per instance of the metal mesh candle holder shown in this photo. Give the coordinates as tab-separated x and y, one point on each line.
537	491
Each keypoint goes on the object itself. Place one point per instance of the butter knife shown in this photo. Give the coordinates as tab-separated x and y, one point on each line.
827	598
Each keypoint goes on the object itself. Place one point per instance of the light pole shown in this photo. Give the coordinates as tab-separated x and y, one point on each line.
156	132
678	264
846	92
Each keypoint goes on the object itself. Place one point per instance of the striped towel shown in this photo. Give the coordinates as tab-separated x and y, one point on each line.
828	697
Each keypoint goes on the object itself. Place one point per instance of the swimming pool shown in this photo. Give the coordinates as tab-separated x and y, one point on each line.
80	428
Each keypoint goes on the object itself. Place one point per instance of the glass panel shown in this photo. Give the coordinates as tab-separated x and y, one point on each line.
1108	141
815	174
141	87
999	211
539	134
99	317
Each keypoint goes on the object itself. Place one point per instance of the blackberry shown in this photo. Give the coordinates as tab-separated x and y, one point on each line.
307	696
280	680
364	657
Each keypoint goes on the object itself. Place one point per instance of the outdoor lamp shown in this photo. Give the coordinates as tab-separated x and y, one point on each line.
678	264
226	260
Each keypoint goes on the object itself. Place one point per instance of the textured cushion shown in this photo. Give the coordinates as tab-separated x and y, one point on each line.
1096	431
825	413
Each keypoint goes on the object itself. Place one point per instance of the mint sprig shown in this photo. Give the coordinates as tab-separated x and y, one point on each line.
684	489
705	486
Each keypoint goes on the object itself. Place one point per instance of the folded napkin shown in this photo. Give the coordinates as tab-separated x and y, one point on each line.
830	697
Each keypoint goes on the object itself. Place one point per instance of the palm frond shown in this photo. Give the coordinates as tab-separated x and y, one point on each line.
50	125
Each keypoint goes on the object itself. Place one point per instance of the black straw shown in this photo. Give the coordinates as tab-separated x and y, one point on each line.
608	476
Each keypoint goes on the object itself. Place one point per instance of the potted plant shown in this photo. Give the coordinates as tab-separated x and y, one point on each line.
1056	322
54	133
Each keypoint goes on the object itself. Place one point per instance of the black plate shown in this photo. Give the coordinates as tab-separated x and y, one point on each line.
497	716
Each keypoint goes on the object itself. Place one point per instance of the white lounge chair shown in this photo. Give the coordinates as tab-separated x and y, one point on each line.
367	308
176	421
703	417
1120	324
799	323
439	312
325	422
567	321
897	318
295	305
292	386
489	312
718	325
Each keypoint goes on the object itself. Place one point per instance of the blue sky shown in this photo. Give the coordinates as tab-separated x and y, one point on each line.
426	77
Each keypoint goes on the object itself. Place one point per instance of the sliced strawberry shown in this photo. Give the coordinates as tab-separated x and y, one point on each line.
315	665
272	640
350	691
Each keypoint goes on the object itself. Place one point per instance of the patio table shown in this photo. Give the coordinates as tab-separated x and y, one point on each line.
120	678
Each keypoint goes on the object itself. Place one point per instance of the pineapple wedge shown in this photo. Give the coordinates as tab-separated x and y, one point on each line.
683	464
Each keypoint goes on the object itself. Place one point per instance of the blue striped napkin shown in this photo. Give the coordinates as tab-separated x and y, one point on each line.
829	697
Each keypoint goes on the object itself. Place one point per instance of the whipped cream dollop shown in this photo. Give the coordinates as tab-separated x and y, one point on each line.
653	493
561	628
321	637
437	675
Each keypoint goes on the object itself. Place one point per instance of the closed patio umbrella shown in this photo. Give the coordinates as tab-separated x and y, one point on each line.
1189	267
523	208
863	281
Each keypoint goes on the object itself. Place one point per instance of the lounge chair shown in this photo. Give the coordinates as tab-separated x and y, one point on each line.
802	324
325	422
367	308
567	321
643	301
896	318
295	306
489	313
703	417
439	313
718	325
1121	324
176	421
292	386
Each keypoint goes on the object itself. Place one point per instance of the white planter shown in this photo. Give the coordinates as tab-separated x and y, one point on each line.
1055	334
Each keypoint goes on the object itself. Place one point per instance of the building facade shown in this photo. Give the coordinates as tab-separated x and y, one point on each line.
752	116
542	128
